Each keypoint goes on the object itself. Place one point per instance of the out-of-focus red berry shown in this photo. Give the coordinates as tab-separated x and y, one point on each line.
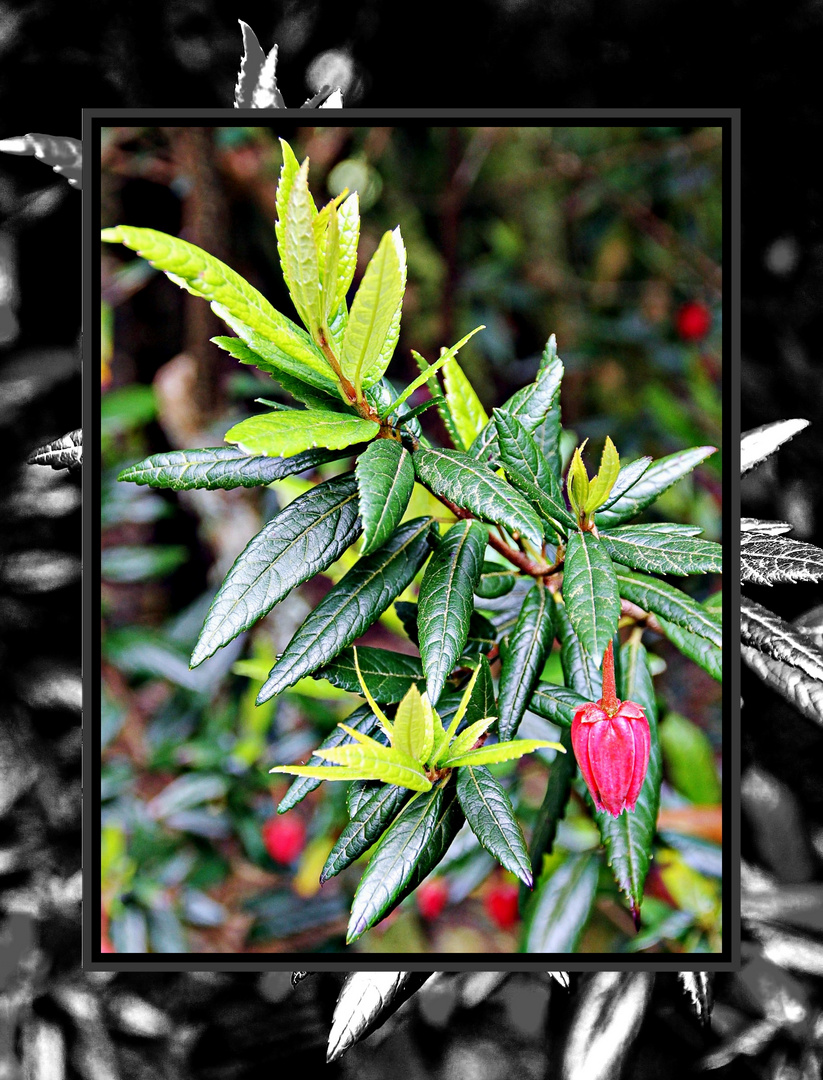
285	838
432	897
694	320
500	903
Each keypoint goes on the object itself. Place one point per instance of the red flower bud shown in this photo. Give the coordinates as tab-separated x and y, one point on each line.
285	838
694	320
611	742
432	896
501	903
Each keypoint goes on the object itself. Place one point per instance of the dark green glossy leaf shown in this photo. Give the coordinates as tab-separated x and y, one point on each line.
547	433
490	814
447	600
603	1029
374	815
407	614
302	540
529	644
658	478
553	808
385	478
556	703
388	675
590	593
581	671
630	836
548	502
531	405
63	453
517	448
560	909
448	822
220	467
662	553
495	581
664	599
704	654
393	862
476	487
351	606
362	719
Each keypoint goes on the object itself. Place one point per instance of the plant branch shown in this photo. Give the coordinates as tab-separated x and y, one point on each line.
518	558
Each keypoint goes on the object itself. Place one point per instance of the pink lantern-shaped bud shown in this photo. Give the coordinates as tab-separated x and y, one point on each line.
611	742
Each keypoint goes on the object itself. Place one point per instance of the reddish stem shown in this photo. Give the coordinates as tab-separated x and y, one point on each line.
609	702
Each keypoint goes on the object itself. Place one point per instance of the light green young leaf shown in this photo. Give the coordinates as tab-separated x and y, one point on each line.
505	751
324	772
281	434
330	259
443	740
466	739
465	406
300	253
348	224
373	309
577	482
414	726
427	371
288	172
376	762
601	485
385	723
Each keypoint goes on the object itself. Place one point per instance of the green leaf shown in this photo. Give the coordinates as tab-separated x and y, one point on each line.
658	478
577	482
495	581
476	487
366	1000
299	252
377	762
375	305
698	649
662	553
761	442
351	606
385	478
428	371
547	501
767	560
219	467
449	820
518	450
490	815
281	434
590	593
602	484
556	703
529	645
285	352
664	599
393	862
555	802
476	703
629	838
563	900
580	669
689	760
363	719
302	391
200	273
348	224
547	433
497	752
463	403
468	737
439	399
288	174
302	540
626	478
373	816
414	726
447	601
388	675
531	405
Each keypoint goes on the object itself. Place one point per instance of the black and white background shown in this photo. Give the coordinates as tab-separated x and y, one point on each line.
57	1021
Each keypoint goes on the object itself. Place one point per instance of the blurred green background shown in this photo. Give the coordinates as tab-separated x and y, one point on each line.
609	237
